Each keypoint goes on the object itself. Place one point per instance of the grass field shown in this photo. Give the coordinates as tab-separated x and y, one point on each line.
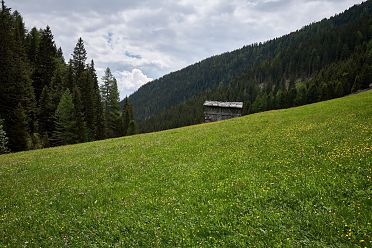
295	178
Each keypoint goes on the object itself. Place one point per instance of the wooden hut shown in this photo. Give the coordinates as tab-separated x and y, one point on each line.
217	111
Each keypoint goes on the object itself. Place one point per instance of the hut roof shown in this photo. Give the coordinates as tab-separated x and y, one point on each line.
238	105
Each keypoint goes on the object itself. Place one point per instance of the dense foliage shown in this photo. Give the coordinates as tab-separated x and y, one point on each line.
324	60
45	101
299	177
66	128
111	105
3	139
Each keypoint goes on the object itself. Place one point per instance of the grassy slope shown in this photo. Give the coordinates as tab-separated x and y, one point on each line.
296	177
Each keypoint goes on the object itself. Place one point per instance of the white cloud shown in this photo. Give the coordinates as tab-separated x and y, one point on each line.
156	37
130	81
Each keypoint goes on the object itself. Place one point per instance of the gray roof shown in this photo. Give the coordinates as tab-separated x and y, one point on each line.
224	104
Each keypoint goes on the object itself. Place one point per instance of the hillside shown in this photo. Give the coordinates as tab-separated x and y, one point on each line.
321	61
294	177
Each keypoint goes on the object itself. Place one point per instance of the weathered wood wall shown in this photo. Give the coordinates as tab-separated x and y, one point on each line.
218	114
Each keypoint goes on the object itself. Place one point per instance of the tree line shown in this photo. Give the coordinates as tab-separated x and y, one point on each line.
321	61
45	101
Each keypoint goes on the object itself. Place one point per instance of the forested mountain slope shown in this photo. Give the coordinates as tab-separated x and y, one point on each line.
323	60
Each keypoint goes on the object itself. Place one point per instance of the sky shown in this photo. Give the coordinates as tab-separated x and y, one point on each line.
141	40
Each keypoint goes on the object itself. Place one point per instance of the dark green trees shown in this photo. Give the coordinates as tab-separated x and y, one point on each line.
46	114
327	59
17	102
19	131
78	68
86	94
111	105
97	109
116	123
44	101
87	119
79	57
79	115
45	61
66	127
129	125
32	46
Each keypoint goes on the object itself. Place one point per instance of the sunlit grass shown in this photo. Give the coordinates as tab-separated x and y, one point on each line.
298	177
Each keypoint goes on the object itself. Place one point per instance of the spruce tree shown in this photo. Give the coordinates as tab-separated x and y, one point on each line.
19	131
79	115
88	103
111	105
32	47
45	64
60	54
100	120
57	84
46	112
20	30
127	118
85	79
115	109
97	105
69	77
66	129
79	57
48	102
17	103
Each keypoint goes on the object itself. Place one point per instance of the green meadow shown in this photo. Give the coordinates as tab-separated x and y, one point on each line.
299	177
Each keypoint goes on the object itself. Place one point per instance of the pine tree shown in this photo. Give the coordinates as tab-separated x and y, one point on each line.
79	115
111	105
79	57
60	54
97	105
48	103
127	118
69	77
17	102
87	81
19	131
32	46
100	120
3	7
26	92
57	84
66	129
45	65
115	109
46	112
20	30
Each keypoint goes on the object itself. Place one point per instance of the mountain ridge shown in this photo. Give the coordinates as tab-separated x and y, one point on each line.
169	95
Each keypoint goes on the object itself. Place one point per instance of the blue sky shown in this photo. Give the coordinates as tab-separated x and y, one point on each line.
144	40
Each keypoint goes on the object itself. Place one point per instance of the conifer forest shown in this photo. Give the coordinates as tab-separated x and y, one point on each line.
116	143
323	60
46	101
